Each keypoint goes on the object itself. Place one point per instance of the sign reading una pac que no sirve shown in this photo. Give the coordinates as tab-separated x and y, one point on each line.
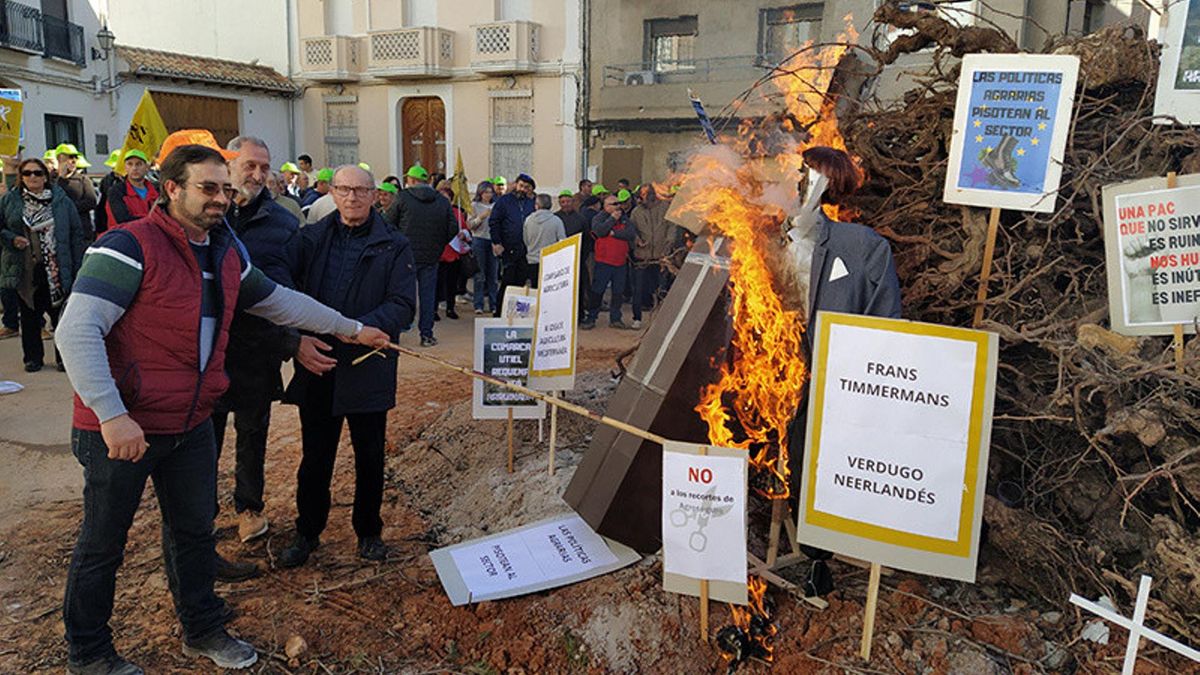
899	422
1010	130
502	349
1152	249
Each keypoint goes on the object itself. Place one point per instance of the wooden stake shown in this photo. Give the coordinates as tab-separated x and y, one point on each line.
550	400
704	586
510	441
773	533
1177	343
553	435
989	250
869	616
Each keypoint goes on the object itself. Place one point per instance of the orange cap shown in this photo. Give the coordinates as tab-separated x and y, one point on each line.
192	137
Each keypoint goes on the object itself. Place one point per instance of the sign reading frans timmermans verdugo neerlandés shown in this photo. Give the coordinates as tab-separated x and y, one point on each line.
899	421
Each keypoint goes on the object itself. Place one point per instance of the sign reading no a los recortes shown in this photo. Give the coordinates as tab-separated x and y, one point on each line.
899	421
1010	130
502	349
1152	247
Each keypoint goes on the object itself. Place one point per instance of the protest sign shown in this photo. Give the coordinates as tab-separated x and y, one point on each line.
1178	90
1152	250
146	131
704	520
553	363
518	303
15	95
899	421
502	350
546	554
10	127
1010	130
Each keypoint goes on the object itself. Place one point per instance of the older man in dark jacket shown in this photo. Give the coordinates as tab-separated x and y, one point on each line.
425	217
257	347
507	224
353	261
77	186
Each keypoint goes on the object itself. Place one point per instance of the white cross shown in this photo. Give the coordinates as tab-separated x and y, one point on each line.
1135	626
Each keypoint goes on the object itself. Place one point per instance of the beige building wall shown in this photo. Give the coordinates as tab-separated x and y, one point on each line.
549	85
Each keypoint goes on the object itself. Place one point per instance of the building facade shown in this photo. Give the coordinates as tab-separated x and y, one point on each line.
646	56
79	88
397	83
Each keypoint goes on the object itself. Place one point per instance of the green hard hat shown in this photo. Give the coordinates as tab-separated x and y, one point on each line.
289	167
623	195
130	154
325	174
566	193
66	149
418	172
364	166
113	158
598	190
388	187
499	180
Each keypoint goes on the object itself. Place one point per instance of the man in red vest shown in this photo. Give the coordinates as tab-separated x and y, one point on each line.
144	338
132	197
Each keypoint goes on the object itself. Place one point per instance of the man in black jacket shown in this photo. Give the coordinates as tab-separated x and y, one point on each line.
257	348
424	216
353	261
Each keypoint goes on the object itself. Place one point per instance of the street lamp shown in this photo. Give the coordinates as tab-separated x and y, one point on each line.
105	39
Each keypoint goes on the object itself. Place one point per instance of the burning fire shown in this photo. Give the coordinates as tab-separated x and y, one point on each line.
752	631
746	200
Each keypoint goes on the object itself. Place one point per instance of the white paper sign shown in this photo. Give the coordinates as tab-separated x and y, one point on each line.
897	442
1152	245
1178	90
553	363
543	555
704	515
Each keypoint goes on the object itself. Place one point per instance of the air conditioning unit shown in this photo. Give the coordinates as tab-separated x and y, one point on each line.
639	77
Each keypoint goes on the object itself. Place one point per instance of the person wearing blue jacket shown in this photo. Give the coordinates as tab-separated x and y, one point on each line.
507	225
353	261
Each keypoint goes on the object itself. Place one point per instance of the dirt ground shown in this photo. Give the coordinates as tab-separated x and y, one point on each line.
446	482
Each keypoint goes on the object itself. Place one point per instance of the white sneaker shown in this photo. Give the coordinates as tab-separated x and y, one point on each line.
637	323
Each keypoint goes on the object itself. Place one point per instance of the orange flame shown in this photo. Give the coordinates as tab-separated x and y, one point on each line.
761	386
757	592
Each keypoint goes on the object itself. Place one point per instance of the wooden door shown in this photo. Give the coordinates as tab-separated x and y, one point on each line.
189	111
423	121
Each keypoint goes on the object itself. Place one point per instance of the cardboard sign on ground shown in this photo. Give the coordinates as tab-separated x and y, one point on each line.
502	350
554	335
546	554
1010	130
704	520
1152	250
899	422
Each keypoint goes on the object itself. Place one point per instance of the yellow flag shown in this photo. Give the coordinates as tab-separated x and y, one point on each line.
458	183
146	131
10	127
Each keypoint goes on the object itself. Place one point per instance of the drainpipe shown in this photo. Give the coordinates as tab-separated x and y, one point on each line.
583	115
291	73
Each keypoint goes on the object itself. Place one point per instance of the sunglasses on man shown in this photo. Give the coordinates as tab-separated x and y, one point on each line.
211	189
33	172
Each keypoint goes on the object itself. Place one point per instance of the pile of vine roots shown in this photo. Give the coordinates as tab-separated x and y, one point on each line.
1094	476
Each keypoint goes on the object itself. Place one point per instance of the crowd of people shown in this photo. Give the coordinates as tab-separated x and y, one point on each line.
315	265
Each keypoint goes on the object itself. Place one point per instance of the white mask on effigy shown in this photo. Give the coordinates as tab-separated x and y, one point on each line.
802	233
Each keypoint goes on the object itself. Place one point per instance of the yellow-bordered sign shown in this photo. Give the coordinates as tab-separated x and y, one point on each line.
549	311
899	423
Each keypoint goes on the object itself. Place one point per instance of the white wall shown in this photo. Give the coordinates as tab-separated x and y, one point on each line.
238	30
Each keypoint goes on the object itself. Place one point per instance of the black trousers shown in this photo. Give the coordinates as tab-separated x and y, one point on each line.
31	319
250	424
514	271
448	274
320	431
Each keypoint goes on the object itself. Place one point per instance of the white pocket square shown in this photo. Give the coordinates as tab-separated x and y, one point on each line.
839	270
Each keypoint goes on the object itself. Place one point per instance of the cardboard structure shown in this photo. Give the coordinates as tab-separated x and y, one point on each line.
617	487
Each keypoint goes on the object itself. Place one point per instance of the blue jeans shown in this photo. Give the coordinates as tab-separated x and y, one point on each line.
487	279
604	275
184	470
645	285
427	278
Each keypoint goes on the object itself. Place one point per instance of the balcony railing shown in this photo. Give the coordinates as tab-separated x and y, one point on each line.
505	47
63	40
410	52
20	27
331	58
698	70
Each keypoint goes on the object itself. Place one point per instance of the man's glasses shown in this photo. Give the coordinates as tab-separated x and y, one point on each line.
33	172
347	190
213	189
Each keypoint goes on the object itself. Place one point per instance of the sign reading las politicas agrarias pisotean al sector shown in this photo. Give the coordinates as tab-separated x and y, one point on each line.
899	421
1152	250
552	364
1010	130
